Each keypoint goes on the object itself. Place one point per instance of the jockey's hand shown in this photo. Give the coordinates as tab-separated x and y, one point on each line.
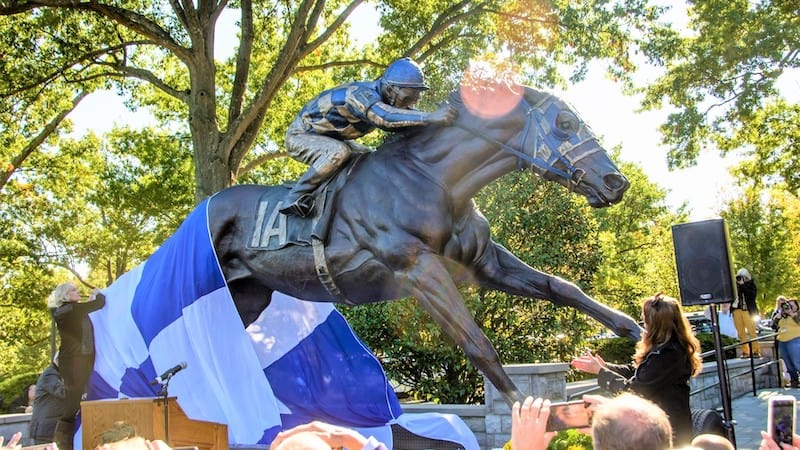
445	115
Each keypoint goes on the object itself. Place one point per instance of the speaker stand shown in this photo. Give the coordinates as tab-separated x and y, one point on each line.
722	374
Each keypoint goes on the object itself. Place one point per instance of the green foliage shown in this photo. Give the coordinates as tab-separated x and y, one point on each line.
764	240
565	440
570	440
723	77
614	350
707	345
14	386
104	205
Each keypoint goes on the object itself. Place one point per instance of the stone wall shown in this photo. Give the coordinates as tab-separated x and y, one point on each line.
11	423
740	381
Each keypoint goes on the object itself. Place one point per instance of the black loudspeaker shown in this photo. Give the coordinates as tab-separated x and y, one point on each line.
702	257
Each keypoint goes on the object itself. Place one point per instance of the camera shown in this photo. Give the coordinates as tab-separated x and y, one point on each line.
788	304
739	278
781	418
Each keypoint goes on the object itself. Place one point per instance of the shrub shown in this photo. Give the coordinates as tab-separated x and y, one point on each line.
13	387
615	350
707	344
566	440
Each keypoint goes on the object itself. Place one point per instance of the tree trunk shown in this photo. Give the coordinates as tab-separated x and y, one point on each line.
211	162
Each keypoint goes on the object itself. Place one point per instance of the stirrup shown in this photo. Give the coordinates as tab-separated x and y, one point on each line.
302	207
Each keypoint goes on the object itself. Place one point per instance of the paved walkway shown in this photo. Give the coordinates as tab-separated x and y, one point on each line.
750	414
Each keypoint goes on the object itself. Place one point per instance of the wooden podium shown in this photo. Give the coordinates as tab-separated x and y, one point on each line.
146	416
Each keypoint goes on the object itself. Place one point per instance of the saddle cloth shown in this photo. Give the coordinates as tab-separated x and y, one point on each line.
275	231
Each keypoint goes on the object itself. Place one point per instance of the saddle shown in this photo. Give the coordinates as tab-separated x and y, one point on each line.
275	231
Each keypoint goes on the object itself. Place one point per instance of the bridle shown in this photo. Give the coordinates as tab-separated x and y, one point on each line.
536	119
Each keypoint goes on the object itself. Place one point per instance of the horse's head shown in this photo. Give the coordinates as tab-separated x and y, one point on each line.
546	135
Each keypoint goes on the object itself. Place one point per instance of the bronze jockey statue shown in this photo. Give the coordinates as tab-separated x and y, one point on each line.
322	133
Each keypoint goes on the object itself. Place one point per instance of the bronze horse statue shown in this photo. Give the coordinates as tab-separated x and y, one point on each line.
404	222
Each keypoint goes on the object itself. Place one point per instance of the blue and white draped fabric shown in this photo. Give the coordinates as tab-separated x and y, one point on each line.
300	361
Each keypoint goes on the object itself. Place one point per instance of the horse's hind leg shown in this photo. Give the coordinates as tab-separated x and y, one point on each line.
250	298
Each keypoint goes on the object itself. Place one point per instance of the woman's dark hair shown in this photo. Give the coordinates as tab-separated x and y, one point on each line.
663	321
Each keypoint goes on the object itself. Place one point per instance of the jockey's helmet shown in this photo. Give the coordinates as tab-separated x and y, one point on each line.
404	72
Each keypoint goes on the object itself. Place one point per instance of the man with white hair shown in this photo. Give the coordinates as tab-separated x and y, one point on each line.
48	406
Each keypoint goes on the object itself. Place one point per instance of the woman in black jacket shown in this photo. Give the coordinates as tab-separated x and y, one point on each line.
76	352
666	357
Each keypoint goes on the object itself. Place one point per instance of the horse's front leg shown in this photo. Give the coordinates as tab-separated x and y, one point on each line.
499	269
433	287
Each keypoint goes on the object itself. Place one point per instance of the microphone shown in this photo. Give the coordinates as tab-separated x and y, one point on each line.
169	373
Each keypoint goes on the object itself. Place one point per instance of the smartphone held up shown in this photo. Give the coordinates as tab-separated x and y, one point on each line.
781	418
567	415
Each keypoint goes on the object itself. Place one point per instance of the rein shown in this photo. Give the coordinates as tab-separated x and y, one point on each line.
572	174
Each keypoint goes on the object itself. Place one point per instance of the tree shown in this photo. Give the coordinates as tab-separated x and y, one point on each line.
723	79
763	240
163	56
105	204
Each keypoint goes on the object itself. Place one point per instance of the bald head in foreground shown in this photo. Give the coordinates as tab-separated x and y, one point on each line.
629	422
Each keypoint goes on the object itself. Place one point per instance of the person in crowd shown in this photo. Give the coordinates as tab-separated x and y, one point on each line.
745	312
667	355
727	327
122	436
323	436
708	441
76	352
13	443
786	322
48	405
529	424
23	403
119	431
625	422
322	133
630	422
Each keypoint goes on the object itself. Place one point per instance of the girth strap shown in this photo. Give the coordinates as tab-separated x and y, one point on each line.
323	274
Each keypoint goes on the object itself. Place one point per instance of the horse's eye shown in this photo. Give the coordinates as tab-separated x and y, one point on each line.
566	121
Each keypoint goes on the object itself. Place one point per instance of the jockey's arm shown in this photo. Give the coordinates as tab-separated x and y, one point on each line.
387	117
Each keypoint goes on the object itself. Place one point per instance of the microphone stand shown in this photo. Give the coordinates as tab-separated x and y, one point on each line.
164	389
722	374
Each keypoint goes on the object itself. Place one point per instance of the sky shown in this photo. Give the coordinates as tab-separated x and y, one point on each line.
599	101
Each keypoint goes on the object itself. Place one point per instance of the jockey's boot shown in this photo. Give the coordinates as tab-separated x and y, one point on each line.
300	201
64	434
